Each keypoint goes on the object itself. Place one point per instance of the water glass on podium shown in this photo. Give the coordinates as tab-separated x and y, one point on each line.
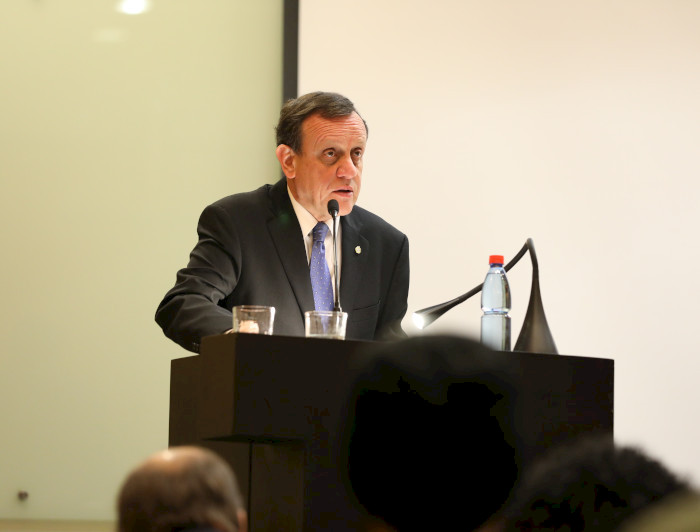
325	324
253	319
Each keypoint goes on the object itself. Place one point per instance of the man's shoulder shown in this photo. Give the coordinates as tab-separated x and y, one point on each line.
269	198
368	219
252	197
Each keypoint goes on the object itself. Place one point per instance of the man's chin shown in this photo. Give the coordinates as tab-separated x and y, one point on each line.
346	209
345	203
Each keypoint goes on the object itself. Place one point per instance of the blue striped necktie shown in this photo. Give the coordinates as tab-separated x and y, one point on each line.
320	274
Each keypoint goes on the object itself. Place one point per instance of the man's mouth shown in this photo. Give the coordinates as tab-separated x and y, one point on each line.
343	191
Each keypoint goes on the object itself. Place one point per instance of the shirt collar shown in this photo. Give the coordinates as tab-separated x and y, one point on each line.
307	221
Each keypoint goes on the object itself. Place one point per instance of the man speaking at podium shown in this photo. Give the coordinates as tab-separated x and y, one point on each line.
254	248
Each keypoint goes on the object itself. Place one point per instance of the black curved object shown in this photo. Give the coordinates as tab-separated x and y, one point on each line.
535	336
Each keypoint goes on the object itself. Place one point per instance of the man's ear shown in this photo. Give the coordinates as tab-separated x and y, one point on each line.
287	159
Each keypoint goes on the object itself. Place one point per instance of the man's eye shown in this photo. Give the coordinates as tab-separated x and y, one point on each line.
358	154
330	154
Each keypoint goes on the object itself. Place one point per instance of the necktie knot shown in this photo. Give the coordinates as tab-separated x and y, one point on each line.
320	231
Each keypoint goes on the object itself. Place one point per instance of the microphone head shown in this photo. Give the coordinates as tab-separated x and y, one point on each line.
333	208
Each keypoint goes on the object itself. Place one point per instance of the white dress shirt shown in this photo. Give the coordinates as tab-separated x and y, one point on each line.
307	221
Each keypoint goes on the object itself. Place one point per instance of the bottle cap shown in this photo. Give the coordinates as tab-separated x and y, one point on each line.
495	259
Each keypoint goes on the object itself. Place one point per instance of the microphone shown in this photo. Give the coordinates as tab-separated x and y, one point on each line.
333	210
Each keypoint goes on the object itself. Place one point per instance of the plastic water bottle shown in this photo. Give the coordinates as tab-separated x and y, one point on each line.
495	304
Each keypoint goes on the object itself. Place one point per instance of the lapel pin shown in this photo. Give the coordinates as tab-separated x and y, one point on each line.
358	250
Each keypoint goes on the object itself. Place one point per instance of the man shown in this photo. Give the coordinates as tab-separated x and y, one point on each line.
255	247
183	488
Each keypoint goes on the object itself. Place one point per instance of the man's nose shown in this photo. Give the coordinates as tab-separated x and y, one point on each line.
346	168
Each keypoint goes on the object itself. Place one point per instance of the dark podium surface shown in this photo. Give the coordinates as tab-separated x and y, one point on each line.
273	406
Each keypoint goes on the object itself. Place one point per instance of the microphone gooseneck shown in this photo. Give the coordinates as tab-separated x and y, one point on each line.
333	210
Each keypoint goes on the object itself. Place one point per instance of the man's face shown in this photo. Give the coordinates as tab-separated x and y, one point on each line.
329	165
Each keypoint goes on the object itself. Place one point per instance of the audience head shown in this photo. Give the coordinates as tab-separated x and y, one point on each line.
182	488
422	447
588	484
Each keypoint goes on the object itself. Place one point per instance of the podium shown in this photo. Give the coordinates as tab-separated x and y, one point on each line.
273	406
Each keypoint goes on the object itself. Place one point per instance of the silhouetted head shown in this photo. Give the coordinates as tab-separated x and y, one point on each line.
423	447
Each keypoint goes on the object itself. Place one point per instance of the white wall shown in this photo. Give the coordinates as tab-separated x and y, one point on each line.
115	132
574	123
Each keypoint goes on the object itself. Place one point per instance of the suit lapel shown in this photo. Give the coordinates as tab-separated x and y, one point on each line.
355	250
285	232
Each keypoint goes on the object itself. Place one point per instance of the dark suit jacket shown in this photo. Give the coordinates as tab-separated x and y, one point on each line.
251	251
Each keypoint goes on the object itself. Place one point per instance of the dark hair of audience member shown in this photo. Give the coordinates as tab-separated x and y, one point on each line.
588	484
